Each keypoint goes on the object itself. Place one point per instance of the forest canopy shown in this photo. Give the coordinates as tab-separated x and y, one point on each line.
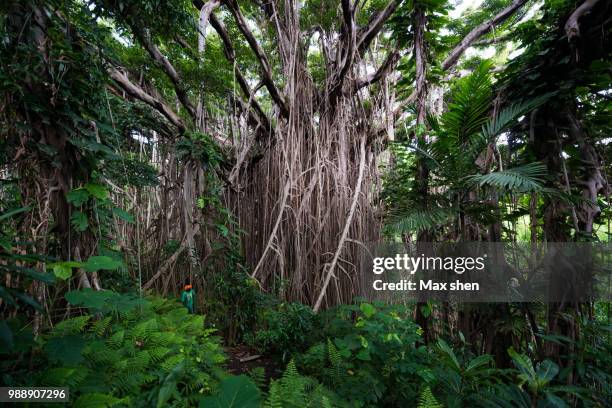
241	157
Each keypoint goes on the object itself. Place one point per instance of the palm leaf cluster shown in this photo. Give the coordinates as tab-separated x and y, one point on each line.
460	140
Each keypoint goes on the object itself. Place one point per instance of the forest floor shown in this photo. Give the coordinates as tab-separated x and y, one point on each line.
243	359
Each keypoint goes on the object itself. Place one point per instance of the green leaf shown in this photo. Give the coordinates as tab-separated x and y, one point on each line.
124	215
523	363
6	243
364	355
98	191
415	220
478	362
97	400
6	336
555	401
104	300
62	271
527	178
78	197
6	296
446	349
168	388
547	370
235	392
32	273
367	309
79	221
223	229
29	300
96	263
66	350
12	212
89	298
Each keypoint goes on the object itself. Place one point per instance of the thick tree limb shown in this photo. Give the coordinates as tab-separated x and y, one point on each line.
167	67
492	41
369	32
383	70
266	69
572	28
205	12
419	21
351	37
479	31
136	92
230	54
350	45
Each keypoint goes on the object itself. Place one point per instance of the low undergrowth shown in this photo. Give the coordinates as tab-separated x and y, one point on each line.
126	351
123	351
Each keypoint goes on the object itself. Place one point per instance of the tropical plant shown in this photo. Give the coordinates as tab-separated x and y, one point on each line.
130	351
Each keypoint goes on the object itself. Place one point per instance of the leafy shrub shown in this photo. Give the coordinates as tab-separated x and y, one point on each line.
458	378
371	356
292	390
131	352
235	392
284	329
295	390
234	303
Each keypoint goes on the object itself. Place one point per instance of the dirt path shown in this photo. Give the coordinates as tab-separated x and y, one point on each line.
242	359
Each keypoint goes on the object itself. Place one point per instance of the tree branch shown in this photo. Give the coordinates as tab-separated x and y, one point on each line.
205	12
351	37
276	95
492	41
351	45
230	54
572	28
479	31
388	65
136	92
167	67
369	32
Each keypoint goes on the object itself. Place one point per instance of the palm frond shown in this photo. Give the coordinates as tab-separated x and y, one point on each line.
420	220
471	100
526	178
424	153
506	117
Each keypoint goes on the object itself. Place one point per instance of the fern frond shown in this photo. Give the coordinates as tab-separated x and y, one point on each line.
258	375
172	362
334	360
65	377
274	397
144	331
97	400
116	340
158	353
71	326
427	399
98	353
100	327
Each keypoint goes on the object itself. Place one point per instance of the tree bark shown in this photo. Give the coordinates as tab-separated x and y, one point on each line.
572	27
479	31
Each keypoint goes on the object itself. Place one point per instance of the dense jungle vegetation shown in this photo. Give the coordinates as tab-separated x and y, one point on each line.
251	149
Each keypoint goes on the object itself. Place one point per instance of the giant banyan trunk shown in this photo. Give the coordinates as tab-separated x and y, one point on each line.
295	202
